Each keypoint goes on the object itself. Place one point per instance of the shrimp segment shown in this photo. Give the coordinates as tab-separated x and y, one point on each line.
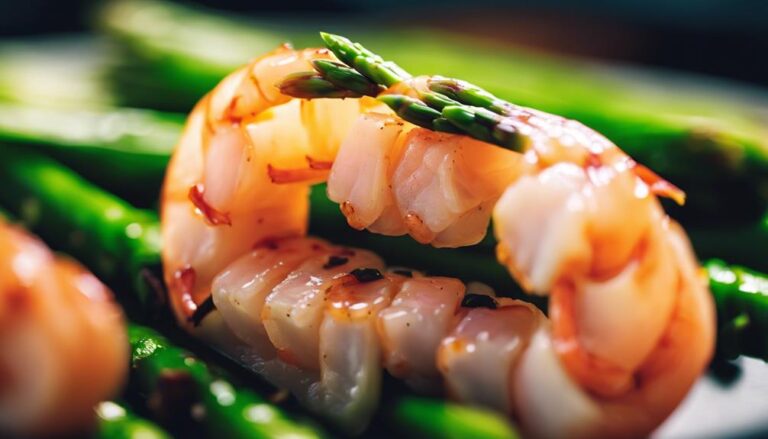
63	346
240	290
413	326
294	309
393	179
631	324
492	339
350	353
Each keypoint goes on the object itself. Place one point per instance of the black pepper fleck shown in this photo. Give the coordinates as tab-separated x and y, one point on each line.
364	275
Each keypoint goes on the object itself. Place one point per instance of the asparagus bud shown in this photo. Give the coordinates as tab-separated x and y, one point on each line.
451	105
364	61
310	85
345	77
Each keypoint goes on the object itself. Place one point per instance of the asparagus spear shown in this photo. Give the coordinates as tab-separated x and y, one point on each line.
117	422
745	244
90	224
117	241
64	72
450	421
168	375
186	40
124	150
741	296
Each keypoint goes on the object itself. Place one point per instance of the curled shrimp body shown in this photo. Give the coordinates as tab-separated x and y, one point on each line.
63	346
631	322
238	139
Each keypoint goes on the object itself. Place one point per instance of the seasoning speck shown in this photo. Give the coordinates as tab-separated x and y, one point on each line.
364	275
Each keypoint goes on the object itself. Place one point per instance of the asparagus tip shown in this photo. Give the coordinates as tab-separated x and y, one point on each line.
332	40
393	101
310	85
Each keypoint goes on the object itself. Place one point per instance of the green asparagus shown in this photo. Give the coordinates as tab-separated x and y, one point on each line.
66	72
229	411
741	296
745	244
451	105
94	226
450	421
116	240
115	421
168	375
124	150
176	39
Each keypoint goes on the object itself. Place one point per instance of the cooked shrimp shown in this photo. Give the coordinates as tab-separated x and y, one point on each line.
63	344
631	322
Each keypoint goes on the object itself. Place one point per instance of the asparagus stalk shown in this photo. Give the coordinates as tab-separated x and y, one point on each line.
90	224
65	72
124	150
175	380
117	241
115	421
741	296
450	421
745	244
188	40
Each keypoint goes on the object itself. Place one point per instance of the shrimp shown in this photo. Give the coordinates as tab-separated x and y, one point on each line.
631	321
63	345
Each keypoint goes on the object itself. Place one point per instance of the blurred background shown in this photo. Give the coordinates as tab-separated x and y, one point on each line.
718	37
